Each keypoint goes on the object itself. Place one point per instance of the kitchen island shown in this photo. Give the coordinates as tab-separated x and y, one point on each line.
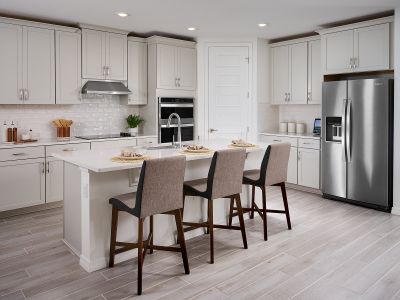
91	179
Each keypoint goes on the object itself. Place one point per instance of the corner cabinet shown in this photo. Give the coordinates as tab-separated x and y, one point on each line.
27	73
360	47
104	55
295	70
137	71
68	67
176	67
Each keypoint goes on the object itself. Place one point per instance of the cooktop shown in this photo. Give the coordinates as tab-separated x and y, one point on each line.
104	136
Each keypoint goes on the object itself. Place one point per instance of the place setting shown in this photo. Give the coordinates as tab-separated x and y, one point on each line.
130	156
240	143
196	150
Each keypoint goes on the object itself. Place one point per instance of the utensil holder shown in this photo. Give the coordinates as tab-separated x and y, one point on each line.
63	133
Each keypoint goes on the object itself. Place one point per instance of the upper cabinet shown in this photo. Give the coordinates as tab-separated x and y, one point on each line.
295	70
175	64
104	55
137	71
360	47
68	67
27	72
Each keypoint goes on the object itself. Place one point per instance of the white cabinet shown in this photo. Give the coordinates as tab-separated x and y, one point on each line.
361	49
104	55
11	64
22	183
292	166
308	167
54	180
314	91
295	72
68	67
27	73
280	74
137	72
176	67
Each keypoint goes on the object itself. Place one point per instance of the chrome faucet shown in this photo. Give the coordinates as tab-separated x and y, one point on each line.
179	127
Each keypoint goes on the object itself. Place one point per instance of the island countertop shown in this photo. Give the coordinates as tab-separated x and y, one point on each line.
100	161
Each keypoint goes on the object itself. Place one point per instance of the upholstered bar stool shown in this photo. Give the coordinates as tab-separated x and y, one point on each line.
159	191
273	172
224	181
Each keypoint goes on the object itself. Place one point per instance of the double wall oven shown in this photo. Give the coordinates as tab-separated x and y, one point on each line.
184	107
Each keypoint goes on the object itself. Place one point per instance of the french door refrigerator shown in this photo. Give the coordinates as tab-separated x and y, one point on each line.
357	142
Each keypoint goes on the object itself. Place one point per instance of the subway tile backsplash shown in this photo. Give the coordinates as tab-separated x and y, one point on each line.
93	116
300	113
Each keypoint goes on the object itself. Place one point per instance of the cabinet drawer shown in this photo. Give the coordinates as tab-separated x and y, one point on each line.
273	139
66	148
147	141
113	144
21	153
309	143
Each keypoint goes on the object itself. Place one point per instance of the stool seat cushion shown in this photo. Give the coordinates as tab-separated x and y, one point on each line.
196	187
126	202
251	177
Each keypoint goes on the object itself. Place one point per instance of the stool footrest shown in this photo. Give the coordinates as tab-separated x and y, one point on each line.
193	226
167	248
248	209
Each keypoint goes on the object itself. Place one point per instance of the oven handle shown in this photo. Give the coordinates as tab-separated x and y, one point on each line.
176	105
176	125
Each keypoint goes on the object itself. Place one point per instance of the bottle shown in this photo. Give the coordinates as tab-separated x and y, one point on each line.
9	135
13	132
4	132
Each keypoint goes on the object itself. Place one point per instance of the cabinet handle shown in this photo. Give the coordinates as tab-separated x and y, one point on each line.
104	70
288	99
48	167
277	141
354	62
176	81
108	71
69	149
285	97
351	63
21	94
43	168
26	94
179	81
298	156
309	96
19	154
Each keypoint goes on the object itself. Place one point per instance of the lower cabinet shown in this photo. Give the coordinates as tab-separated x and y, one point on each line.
308	167
22	183
54	180
292	166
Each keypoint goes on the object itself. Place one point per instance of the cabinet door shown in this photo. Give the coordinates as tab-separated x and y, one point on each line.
166	67
54	180
371	48
22	183
11	64
314	73
292	166
337	51
298	73
308	168
137	73
186	65
93	54
38	66
68	67
116	56
280	74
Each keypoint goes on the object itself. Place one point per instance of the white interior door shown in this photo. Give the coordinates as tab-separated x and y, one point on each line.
228	92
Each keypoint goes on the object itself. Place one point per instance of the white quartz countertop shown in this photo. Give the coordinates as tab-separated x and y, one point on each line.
73	140
300	135
100	161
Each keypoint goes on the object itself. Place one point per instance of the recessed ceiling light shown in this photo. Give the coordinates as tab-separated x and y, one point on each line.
122	14
191	28
262	24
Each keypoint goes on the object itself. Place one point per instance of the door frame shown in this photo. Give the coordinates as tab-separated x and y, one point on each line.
203	108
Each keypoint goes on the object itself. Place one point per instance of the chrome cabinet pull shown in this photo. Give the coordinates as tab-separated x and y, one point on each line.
309	96
277	141
179	81
19	154
288	99
26	94
21	94
48	167
213	130
69	149
43	168
351	63
285	97
354	62
108	71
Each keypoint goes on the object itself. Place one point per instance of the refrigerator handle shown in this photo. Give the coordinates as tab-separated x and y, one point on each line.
348	130
344	132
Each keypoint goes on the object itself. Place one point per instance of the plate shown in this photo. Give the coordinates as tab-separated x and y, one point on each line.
128	159
243	145
200	151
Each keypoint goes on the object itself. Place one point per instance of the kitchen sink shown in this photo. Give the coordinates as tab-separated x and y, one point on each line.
162	147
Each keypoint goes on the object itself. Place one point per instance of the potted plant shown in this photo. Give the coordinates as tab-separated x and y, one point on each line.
133	122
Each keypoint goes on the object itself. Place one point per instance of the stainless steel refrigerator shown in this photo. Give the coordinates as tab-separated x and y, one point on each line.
357	142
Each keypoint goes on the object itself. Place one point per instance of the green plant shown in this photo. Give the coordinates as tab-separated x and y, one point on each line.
134	121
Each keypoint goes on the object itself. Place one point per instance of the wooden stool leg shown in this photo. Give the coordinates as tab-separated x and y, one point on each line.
151	242
211	229
264	202
231	211
253	201
181	238
113	239
285	203
241	220
140	256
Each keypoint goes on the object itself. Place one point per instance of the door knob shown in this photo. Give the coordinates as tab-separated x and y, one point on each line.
213	130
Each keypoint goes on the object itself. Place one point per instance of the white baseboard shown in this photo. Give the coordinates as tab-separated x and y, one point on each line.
396	210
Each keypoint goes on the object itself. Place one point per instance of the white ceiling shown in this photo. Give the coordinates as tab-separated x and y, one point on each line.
213	18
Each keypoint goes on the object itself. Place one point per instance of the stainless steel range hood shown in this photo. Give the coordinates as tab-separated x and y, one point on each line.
105	87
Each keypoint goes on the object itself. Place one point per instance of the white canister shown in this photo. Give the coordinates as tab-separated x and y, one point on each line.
300	128
291	127
282	127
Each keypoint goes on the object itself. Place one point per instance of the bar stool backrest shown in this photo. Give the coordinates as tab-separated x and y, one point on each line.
226	173
275	164
160	187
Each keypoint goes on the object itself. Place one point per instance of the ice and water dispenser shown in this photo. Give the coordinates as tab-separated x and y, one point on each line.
334	130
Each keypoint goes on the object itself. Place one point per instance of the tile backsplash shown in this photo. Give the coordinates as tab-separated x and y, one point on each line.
93	116
300	113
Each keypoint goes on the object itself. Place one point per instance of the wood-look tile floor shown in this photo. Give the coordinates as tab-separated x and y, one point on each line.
334	251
